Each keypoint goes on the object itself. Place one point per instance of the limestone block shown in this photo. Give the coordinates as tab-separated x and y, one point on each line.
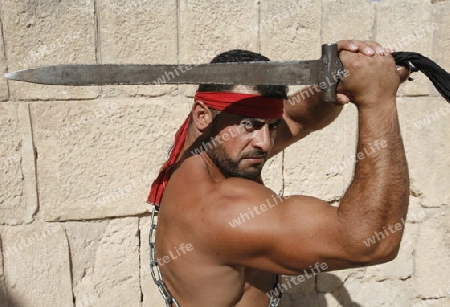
18	199
138	32
98	159
314	165
3	83
150	293
433	302
295	300
372	293
433	251
426	120
3	291
404	29
44	32
289	29
401	267
272	174
416	213
207	28
105	262
347	20
441	38
37	265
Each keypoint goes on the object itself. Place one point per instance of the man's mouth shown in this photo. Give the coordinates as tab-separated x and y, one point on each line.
255	158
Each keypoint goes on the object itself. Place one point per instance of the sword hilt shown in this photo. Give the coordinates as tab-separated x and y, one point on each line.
331	72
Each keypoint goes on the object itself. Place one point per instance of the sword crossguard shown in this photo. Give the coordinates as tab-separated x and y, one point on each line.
331	72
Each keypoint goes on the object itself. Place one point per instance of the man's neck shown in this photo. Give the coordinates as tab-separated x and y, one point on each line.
216	174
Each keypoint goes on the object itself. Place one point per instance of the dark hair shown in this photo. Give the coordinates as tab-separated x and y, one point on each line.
239	55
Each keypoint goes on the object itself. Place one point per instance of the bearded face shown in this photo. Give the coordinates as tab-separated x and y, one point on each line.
241	146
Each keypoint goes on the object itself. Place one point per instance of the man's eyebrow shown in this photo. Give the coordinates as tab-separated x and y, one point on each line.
278	121
258	120
253	119
261	121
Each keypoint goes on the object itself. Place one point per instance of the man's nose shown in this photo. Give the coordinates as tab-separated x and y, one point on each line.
262	139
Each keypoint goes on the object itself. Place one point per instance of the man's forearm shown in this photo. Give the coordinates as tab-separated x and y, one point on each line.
309	111
377	198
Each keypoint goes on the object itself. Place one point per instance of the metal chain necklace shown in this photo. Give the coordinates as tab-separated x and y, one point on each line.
154	267
156	272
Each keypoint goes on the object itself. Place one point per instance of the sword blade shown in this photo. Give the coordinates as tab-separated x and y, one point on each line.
247	73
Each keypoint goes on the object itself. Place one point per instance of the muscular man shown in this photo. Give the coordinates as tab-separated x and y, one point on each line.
205	259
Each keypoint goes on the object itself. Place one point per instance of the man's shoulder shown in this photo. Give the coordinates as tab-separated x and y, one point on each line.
200	190
231	197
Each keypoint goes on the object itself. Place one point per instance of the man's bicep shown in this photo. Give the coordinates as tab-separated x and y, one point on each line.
283	236
309	230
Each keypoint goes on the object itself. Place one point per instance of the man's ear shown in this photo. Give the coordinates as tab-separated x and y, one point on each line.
201	115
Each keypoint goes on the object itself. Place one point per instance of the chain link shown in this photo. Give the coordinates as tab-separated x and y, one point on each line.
274	302
154	267
156	272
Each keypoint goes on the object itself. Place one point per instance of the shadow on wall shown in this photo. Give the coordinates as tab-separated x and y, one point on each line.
340	294
4	300
8	301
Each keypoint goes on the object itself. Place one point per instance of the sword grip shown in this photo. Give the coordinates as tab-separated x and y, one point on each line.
331	72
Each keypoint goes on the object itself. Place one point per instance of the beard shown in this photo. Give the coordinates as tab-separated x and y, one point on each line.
230	167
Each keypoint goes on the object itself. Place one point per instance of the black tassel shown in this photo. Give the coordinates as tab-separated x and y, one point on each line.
436	74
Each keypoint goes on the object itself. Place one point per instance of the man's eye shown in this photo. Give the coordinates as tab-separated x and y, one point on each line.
247	124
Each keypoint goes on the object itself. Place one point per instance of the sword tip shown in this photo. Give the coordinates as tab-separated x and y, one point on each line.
10	75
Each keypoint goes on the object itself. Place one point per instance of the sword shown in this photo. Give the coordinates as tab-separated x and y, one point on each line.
325	73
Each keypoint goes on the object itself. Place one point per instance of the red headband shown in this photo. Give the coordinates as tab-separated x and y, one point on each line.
250	105
241	104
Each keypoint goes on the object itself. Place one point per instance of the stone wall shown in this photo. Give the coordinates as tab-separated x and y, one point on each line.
76	162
